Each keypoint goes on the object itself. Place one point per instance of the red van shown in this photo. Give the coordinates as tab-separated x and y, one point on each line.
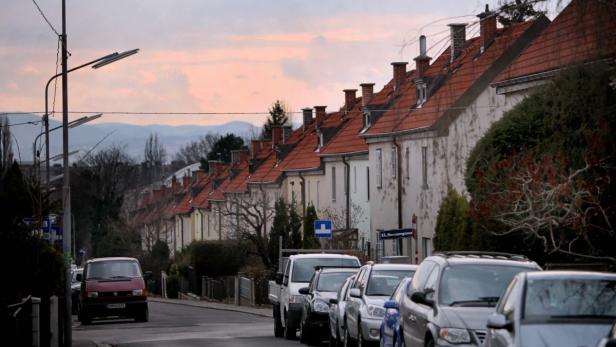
113	287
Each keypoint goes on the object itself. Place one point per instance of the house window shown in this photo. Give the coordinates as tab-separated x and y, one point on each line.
379	168
354	179
426	246
394	162
424	167
407	158
367	183
334	184
292	192
421	93
318	199
308	192
366	120
345	180
321	140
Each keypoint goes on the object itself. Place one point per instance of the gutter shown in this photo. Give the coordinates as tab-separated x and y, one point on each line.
303	192
348	192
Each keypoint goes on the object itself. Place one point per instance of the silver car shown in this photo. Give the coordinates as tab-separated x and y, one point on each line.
364	310
453	293
336	313
554	308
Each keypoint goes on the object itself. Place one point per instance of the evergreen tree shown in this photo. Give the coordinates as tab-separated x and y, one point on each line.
454	229
295	228
309	240
278	116
221	150
280	227
517	11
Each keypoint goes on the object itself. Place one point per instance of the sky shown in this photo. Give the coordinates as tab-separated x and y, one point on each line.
216	56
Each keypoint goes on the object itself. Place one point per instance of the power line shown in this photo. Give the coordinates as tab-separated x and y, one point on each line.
45	18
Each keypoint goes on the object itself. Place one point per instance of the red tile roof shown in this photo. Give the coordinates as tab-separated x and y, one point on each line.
582	32
269	170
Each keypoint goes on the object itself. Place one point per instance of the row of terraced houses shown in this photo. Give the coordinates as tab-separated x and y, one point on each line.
385	159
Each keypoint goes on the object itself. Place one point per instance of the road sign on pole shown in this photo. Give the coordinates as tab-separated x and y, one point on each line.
323	229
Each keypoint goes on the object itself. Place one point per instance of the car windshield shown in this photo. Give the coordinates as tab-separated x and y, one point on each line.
113	269
475	285
384	282
570	298
332	281
303	269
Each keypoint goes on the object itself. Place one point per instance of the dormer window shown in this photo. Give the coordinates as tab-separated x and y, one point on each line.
366	120
422	94
321	140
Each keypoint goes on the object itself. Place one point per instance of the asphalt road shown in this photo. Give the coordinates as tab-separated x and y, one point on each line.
179	325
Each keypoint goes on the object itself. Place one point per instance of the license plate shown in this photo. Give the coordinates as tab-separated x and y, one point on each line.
116	306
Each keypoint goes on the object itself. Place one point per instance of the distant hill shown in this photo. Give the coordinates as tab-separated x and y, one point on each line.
84	137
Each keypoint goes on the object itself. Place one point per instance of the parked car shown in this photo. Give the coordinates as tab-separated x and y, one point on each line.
453	293
324	284
336	313
554	308
364	310
390	326
113	287
76	275
284	294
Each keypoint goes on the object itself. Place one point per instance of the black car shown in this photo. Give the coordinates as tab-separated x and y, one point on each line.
314	324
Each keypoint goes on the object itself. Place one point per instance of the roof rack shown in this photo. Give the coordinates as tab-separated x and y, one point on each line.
481	254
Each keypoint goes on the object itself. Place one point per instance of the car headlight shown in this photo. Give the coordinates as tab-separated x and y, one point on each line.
137	292
453	335
296	299
92	294
376	311
320	306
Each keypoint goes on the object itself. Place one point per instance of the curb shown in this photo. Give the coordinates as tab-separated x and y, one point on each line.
200	304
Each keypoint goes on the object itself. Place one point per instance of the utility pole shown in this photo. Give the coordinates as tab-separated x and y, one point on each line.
66	193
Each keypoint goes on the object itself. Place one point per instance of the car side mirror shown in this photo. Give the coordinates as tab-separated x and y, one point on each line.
278	278
498	321
333	301
304	291
355	293
420	298
78	277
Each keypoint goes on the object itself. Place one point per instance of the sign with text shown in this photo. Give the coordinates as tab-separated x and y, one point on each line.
323	229
396	233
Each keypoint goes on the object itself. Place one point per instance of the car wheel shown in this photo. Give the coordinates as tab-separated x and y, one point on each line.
289	331
303	331
143	316
278	328
429	342
348	341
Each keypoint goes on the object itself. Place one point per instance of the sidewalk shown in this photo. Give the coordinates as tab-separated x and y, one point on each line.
263	312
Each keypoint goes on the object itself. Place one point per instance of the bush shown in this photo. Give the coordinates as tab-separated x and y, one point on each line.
216	259
454	227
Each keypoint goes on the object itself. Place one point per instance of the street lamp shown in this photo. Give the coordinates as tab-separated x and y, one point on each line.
97	63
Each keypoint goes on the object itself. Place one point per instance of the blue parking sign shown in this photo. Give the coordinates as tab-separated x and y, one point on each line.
323	229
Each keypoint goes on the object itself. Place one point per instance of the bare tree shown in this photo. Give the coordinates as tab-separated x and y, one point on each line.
247	217
338	216
567	210
154	157
197	150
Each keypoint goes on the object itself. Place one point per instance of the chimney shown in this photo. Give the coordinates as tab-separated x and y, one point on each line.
276	135
319	115
399	73
458	39
349	98
186	181
214	167
175	185
487	28
422	61
307	117
244	155
367	91
200	175
287	130
255	147
235	156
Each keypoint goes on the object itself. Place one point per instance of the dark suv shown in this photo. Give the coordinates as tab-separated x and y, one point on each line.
453	293
113	287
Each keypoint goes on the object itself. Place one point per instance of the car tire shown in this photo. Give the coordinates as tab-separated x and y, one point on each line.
84	318
289	331
278	328
303	332
143	316
429	341
360	336
348	341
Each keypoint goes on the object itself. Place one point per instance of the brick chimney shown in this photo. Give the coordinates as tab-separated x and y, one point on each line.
287	130
186	180
349	98
367	91
399	73
422	61
319	115
200	174
214	167
307	117
244	155
255	147
458	39
276	135
175	185
487	27
235	156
